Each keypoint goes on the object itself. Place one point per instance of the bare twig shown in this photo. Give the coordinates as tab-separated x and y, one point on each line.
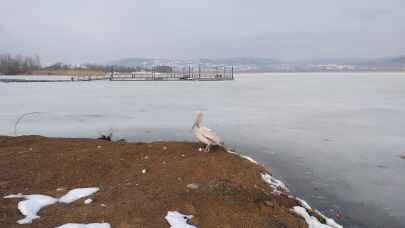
20	118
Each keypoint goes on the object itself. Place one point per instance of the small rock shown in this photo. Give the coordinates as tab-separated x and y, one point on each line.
30	149
98	147
269	203
60	189
183	155
179	179
200	149
103	205
146	157
88	201
165	148
193	186
143	171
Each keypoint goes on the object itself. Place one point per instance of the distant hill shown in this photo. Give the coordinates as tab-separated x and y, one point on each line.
254	64
241	61
132	62
390	61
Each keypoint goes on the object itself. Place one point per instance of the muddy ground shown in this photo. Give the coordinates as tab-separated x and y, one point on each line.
227	190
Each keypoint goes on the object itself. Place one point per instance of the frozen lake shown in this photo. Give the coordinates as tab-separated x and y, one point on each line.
334	139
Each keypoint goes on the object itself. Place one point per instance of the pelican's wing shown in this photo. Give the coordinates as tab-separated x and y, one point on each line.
211	136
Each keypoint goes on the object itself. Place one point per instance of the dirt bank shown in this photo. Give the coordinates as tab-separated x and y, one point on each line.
140	183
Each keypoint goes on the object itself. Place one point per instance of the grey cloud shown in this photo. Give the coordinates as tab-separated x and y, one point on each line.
101	30
364	14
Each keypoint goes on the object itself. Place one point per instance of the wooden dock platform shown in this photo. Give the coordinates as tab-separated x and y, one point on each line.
189	74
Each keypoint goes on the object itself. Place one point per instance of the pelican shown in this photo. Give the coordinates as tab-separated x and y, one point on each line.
205	135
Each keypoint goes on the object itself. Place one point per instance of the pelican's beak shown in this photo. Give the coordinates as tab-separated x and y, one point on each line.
194	125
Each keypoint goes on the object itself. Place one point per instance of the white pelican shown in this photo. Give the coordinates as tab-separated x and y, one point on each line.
205	135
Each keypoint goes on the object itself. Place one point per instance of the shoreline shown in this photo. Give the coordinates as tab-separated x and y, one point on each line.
100	73
144	181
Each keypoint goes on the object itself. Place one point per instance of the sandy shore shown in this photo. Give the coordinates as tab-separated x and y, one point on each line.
140	182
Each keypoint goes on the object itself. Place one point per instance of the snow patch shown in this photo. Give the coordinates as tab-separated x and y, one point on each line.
77	193
243	156
32	205
311	220
274	183
249	159
329	221
178	220
300	210
92	225
303	203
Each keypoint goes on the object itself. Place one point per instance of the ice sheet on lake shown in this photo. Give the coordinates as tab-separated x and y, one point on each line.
32	205
347	131
178	220
92	225
77	193
312	221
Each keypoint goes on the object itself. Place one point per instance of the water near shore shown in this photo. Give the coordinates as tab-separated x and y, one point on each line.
335	139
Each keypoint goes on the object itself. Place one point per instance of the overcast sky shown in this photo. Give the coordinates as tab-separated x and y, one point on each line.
99	30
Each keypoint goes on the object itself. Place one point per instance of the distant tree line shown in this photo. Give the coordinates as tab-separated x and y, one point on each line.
18	64
107	68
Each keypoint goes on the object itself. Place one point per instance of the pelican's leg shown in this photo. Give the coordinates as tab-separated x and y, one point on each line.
207	148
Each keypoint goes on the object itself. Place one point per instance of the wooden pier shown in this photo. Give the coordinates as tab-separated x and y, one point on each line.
184	74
